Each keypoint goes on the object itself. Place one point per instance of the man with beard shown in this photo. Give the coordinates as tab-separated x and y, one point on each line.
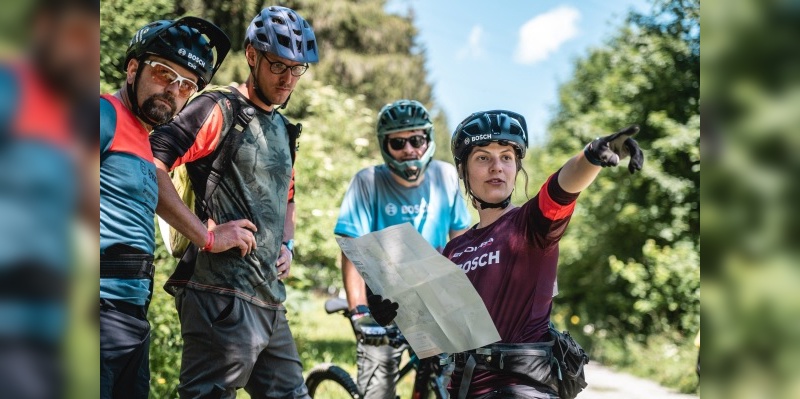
167	61
233	321
409	187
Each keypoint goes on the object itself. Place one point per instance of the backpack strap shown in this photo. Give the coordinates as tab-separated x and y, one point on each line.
230	144
233	140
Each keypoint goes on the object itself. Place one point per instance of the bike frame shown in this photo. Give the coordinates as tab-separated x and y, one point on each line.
428	371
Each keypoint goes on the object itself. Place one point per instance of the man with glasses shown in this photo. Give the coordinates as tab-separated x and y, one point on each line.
233	321
408	187
166	62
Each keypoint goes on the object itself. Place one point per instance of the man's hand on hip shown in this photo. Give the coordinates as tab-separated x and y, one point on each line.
233	234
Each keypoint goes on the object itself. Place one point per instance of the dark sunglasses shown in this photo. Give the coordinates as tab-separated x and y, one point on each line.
398	143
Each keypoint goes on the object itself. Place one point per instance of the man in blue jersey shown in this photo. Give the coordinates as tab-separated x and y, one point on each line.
167	61
408	187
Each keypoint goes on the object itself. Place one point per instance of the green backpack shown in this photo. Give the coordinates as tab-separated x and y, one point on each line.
177	244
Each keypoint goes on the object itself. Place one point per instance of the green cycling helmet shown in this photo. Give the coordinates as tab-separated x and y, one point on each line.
401	116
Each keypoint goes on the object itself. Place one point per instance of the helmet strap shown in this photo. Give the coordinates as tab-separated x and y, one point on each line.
133	98
488	205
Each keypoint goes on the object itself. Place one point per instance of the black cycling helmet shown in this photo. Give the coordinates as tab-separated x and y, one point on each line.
281	31
401	116
483	128
187	41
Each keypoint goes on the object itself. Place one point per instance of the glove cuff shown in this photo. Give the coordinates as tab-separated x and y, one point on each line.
590	155
359	312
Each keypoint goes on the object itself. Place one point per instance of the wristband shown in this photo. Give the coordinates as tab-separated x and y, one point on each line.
209	242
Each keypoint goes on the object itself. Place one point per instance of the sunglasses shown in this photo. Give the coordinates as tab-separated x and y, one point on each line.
398	143
165	76
278	67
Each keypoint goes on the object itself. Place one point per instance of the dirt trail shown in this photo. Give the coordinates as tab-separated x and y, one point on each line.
605	383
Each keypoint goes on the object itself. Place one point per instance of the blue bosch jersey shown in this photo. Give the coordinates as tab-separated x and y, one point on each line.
375	201
128	194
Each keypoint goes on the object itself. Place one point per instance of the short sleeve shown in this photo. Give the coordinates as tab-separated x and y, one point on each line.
355	213
193	134
108	124
547	218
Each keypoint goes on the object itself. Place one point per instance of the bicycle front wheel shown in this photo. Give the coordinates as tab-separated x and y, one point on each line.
329	381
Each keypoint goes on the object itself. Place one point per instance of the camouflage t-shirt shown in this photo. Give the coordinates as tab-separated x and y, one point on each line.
255	186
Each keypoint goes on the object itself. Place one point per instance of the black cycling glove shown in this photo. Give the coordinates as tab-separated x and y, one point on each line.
609	150
383	310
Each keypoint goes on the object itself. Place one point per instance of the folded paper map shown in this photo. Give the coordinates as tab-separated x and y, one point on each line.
440	311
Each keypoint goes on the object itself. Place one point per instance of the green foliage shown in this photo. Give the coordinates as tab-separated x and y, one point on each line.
165	334
338	140
664	288
630	260
669	359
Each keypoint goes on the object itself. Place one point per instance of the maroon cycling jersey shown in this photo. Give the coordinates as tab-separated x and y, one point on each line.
512	264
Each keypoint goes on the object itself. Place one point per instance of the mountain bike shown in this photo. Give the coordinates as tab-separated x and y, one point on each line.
329	381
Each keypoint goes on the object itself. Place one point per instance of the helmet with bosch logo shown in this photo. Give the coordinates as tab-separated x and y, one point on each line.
482	128
402	116
189	42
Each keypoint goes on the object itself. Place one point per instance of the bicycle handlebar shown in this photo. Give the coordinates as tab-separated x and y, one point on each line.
339	305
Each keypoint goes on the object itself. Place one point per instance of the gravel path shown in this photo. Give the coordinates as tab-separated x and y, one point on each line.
605	383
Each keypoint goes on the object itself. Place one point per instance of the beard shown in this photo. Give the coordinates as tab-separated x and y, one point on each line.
157	111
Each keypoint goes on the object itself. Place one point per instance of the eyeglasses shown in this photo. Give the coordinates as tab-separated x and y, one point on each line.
278	67
164	75
398	143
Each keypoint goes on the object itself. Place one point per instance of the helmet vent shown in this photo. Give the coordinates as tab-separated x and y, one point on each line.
279	21
472	130
284	41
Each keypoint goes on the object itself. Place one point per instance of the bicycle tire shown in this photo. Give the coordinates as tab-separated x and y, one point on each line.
331	372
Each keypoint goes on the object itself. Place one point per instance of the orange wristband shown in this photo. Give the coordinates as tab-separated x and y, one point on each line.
209	242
